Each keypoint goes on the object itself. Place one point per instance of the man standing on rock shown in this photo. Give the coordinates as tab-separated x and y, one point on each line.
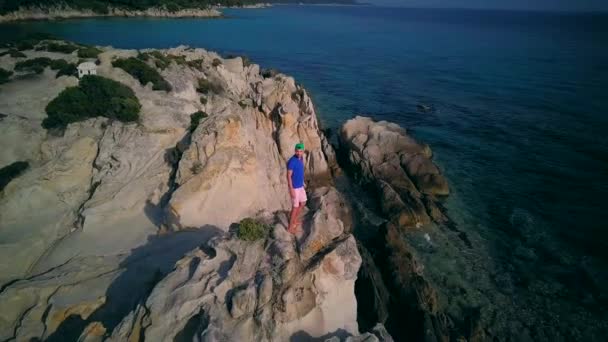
295	179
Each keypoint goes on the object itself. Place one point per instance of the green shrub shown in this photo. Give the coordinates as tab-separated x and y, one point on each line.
4	75
195	119
203	100
172	7
27	44
205	86
94	96
89	52
142	72
12	171
60	47
36	65
269	73
161	61
216	62
67	70
196	64
13	53
63	67
252	230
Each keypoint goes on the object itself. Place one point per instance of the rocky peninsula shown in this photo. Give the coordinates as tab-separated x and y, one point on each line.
121	229
149	202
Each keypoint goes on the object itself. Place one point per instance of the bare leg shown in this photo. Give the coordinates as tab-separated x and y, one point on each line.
292	219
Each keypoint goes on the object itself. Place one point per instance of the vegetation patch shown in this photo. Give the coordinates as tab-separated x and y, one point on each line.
5	75
94	96
205	87
216	62
64	68
161	61
13	53
36	65
252	230
12	171
88	52
142	72
195	119
61	47
203	100
27	44
269	73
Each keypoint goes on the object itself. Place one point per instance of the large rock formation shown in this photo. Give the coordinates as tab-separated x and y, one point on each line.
400	169
234	290
81	224
406	183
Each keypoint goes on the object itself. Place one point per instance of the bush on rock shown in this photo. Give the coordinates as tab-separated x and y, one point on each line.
94	96
252	230
142	72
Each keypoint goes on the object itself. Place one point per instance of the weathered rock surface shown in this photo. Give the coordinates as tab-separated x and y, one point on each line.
81	224
235	290
406	182
399	168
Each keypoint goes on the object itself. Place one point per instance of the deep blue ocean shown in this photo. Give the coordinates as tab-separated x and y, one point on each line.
518	117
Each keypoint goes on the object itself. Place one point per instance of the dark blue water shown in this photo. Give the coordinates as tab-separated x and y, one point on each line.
520	119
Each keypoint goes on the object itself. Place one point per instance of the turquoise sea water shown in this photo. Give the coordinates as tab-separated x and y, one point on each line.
519	118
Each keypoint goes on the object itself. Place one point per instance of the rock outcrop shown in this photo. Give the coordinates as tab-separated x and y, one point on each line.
407	185
406	180
234	290
82	223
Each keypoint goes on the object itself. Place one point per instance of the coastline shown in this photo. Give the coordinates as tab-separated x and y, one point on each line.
64	12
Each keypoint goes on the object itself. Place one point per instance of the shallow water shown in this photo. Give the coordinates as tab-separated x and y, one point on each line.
518	120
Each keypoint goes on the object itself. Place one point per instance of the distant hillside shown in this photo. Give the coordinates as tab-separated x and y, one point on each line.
7	6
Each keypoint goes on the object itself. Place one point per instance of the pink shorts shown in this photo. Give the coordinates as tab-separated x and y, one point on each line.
299	197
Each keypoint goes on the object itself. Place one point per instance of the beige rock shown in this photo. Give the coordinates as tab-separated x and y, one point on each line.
400	168
30	135
330	218
37	209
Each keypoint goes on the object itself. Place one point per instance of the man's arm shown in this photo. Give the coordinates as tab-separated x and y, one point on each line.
291	192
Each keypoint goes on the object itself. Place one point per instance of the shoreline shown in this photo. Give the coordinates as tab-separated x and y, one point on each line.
60	13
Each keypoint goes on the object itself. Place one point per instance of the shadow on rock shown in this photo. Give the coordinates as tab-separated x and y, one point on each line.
142	270
303	336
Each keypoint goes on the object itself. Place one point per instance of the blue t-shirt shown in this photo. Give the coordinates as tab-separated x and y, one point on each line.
297	166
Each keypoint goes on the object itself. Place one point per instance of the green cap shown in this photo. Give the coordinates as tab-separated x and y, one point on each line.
299	146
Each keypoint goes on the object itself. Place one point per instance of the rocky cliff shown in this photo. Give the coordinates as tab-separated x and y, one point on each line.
126	230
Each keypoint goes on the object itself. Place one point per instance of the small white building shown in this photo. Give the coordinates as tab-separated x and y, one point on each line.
87	68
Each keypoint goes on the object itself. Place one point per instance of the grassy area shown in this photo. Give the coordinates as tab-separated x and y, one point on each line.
94	96
252	230
142	72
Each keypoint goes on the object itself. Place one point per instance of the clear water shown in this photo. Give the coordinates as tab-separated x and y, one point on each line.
519	126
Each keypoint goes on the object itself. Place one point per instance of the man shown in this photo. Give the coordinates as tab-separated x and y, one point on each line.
295	179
